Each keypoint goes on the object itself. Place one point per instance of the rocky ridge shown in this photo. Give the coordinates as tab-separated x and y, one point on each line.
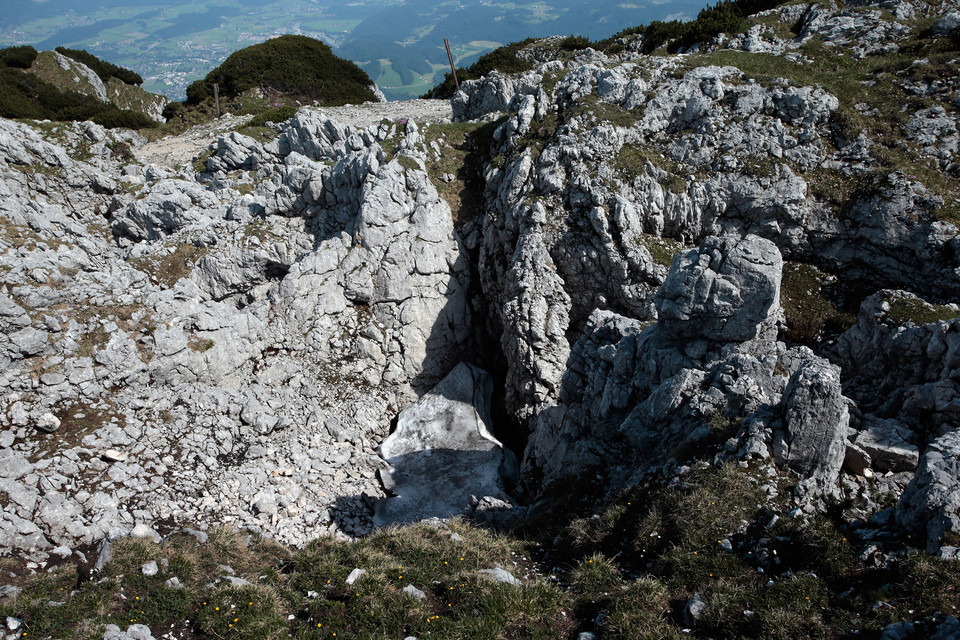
232	345
60	70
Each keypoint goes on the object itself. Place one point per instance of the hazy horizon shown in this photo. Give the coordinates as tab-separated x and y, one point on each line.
399	43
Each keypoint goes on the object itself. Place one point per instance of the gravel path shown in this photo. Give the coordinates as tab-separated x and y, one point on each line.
175	152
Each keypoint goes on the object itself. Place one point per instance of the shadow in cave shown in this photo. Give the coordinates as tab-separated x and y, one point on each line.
439	483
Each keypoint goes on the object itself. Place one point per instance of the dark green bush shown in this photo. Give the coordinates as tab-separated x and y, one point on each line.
290	64
574	43
113	118
273	115
198	91
725	17
15	91
105	70
172	110
18	57
659	33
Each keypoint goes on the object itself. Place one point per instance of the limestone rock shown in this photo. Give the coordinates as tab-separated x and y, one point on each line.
500	575
904	372
491	94
48	423
813	440
723	291
442	451
169	206
133	632
414	593
947	25
355	575
236	151
888	443
930	506
87	80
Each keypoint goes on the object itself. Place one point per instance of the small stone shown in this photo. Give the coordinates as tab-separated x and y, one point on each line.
414	593
173	583
144	531
48	423
104	553
355	575
62	552
14	623
150	569
949	553
265	505
199	535
112	455
499	575
9	591
694	610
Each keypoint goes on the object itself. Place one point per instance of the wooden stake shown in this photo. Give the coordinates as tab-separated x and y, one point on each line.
216	97
453	68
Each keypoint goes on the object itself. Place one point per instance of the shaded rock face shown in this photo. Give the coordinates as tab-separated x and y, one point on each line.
635	398
616	364
568	229
442	452
813	439
902	372
930	506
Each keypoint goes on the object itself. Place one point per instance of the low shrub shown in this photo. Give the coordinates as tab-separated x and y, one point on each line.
279	114
574	43
102	68
21	57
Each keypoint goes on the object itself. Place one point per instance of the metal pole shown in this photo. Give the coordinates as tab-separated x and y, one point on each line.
453	68
216	97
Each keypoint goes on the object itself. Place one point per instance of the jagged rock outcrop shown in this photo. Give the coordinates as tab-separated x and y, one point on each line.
255	340
91	82
724	291
709	371
906	372
169	206
812	440
481	98
930	506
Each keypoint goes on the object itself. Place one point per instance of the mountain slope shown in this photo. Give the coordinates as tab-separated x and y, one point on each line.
715	294
51	85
